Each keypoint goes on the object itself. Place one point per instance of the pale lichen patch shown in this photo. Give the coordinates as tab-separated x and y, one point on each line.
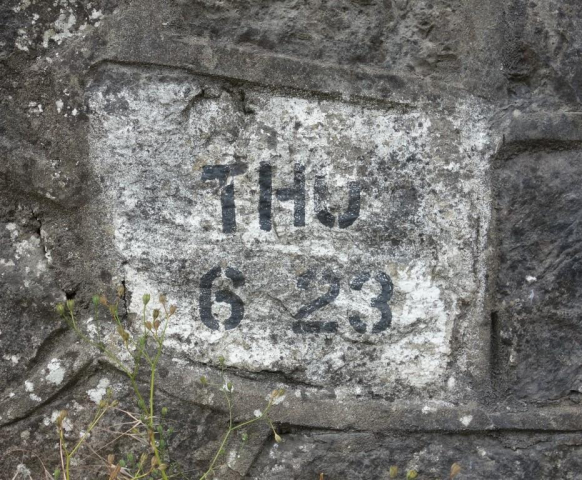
466	420
97	394
56	372
96	14
14	359
67	424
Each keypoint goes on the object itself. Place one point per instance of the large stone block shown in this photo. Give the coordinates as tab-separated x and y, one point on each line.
539	353
338	242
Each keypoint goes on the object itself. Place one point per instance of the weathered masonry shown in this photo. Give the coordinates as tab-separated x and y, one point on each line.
372	204
242	208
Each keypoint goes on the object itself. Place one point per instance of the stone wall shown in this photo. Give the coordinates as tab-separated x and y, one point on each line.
373	204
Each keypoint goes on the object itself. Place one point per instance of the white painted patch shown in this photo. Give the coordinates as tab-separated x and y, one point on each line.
29	386
423	221
530	279
180	362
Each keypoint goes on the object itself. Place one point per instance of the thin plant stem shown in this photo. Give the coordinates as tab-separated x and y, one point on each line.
232	428
137	348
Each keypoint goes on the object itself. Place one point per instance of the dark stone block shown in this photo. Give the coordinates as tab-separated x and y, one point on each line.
538	356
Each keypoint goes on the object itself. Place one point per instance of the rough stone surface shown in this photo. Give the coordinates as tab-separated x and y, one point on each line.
537	323
373	204
392	273
363	455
